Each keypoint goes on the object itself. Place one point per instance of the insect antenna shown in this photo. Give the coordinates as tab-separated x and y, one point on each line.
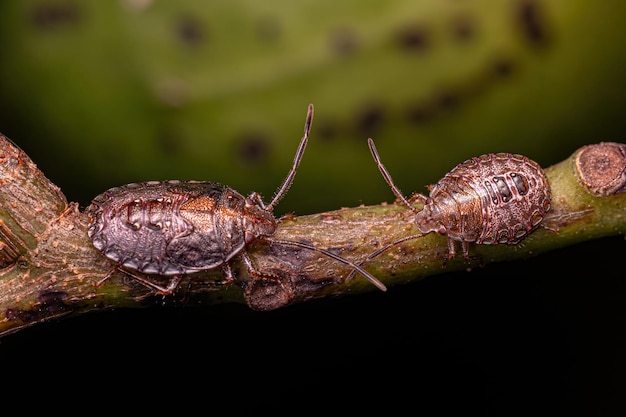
381	250
399	195
387	175
354	266
296	162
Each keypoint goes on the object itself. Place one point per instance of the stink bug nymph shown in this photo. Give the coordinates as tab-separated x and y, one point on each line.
173	228
489	199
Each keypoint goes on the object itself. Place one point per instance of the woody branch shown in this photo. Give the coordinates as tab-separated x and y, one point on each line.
50	268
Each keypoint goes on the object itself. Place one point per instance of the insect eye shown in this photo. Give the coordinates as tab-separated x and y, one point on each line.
248	237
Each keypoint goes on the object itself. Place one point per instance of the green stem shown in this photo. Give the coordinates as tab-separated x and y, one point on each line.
50	268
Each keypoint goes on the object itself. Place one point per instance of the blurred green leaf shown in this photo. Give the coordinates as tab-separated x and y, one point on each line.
106	93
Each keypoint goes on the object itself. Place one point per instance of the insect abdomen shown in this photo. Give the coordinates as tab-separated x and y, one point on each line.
150	227
498	198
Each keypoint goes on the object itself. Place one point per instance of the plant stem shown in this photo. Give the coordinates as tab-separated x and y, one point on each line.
50	269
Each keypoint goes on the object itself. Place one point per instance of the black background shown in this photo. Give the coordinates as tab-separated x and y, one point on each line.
538	337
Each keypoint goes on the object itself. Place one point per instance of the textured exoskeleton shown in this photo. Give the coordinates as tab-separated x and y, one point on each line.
172	228
489	199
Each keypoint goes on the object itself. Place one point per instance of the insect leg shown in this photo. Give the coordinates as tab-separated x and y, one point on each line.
416	197
171	285
452	248
251	268
451	252
465	247
106	277
228	271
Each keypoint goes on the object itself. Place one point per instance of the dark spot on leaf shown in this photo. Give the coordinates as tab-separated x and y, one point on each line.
190	31
463	28
420	112
497	68
532	22
423	111
344	41
447	100
253	148
50	15
413	38
369	119
502	67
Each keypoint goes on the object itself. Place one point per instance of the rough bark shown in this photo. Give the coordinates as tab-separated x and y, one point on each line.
50	269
